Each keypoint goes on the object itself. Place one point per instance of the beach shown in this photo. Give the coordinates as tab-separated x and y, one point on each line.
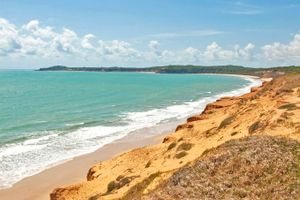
39	186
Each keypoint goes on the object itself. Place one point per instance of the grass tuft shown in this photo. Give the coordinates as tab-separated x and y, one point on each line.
172	145
181	154
148	164
111	186
289	106
234	133
226	122
184	147
254	127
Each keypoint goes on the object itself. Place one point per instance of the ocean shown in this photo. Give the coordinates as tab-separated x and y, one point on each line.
47	118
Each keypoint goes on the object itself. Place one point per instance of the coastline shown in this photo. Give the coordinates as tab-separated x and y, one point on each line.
39	186
61	175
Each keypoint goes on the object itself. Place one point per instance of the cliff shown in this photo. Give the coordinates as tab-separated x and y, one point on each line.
270	110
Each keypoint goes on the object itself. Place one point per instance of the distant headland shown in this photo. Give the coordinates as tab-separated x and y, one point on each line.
181	69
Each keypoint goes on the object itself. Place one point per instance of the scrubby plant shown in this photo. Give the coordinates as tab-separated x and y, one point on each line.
148	164
233	133
254	127
172	145
185	146
181	154
111	186
226	122
289	106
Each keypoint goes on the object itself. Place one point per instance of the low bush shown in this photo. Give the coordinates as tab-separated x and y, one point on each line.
181	154
233	133
289	106
111	186
148	164
172	145
226	122
184	147
254	127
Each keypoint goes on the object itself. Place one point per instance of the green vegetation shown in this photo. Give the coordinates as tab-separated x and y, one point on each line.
226	122
111	186
119	182
255	167
148	164
234	133
220	69
184	147
254	127
171	146
137	190
181	154
289	106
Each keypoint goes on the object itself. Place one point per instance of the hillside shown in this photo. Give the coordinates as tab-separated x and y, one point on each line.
272	109
255	167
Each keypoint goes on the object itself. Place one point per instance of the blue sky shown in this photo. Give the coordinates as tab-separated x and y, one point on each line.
36	33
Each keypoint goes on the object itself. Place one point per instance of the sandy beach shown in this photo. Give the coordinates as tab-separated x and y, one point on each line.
40	185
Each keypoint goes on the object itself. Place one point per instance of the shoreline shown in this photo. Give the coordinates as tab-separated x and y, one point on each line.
40	185
83	162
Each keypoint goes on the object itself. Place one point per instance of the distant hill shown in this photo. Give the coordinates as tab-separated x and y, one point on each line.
220	69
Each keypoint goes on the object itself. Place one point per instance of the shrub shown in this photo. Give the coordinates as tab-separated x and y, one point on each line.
289	106
172	145
184	147
181	154
254	127
111	186
148	164
119	183
226	122
233	133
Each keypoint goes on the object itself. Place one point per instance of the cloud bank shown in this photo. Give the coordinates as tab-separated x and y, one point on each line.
44	42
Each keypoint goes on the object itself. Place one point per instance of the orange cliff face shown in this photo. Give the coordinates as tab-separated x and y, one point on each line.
272	109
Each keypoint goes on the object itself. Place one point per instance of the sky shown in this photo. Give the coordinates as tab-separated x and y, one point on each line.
140	33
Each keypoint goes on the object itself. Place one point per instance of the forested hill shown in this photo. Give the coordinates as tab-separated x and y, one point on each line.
221	69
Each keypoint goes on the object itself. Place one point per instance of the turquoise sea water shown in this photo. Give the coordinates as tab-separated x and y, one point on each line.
48	117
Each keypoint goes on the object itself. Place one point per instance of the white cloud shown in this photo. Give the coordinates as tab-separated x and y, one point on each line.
241	8
44	42
34	27
153	45
283	52
87	41
215	52
117	51
195	33
8	38
66	42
